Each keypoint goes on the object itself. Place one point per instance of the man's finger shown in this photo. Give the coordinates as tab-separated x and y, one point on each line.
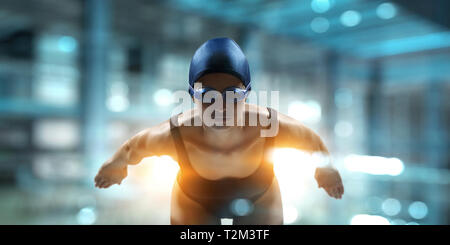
107	184
102	183
339	190
330	192
339	193
336	192
98	181
99	185
336	195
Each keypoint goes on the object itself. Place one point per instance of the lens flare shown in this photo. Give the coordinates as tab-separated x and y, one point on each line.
374	165
290	214
365	219
295	170
164	171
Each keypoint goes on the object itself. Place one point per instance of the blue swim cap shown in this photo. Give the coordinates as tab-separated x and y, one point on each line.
219	55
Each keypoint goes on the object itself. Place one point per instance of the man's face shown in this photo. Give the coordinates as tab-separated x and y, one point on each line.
219	82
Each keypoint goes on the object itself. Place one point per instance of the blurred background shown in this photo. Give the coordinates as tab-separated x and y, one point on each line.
78	78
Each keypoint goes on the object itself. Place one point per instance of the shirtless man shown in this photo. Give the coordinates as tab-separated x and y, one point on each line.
221	164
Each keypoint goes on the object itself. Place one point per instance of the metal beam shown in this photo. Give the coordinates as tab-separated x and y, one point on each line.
374	109
93	87
435	155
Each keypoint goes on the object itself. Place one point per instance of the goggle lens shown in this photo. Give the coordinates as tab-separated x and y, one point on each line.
239	93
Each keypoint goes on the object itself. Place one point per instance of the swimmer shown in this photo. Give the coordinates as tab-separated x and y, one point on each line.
221	164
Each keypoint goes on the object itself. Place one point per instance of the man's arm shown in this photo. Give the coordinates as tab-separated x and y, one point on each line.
293	134
154	141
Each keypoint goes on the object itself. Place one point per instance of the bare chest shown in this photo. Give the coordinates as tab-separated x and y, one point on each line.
219	162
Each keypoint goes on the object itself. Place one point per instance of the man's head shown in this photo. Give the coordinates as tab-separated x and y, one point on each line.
219	66
219	55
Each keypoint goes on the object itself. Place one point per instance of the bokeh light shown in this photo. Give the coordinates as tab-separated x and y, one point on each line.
163	97
374	165
398	222
87	216
386	11
350	18
308	112
391	206
343	129
320	6
365	219
67	44
117	100
320	24
241	207
418	210
290	214
412	223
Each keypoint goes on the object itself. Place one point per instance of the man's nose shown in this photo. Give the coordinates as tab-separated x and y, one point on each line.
222	109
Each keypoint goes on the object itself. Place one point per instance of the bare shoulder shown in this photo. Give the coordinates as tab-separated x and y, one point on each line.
160	131
252	109
188	117
188	123
286	122
157	139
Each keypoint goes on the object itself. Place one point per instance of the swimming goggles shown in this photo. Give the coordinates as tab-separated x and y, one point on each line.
239	93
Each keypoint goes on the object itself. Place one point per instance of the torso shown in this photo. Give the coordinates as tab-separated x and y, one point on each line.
236	153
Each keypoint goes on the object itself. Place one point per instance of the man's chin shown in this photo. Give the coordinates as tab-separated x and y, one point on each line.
220	127
222	123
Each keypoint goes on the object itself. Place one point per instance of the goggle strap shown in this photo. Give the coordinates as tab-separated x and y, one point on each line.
246	88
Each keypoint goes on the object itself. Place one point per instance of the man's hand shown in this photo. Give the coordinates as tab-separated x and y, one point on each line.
329	179
111	172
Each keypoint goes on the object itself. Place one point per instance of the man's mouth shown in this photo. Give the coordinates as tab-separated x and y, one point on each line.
221	116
